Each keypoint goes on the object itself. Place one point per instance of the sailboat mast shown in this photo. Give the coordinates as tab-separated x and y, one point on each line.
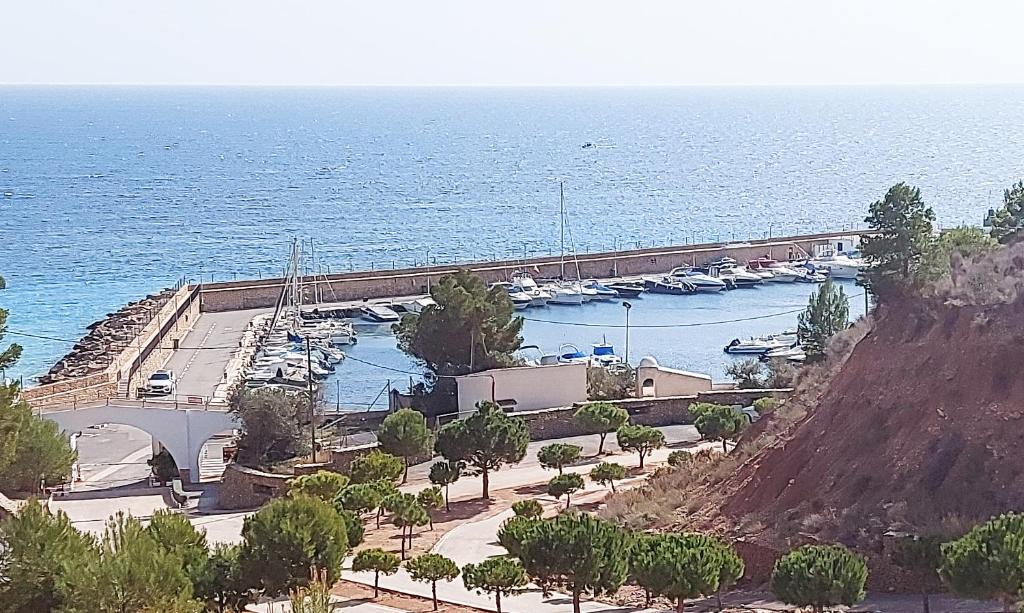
561	225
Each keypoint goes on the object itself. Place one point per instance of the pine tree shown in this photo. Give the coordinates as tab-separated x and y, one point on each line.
484	441
902	231
827	314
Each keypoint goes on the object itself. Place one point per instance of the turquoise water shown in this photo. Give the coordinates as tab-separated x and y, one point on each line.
110	193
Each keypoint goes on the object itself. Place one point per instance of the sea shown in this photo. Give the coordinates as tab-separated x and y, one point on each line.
111	193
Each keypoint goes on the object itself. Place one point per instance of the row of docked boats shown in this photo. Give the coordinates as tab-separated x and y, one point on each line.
282	359
784	345
524	291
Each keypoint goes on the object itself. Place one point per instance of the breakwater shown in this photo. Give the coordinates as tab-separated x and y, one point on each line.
359	285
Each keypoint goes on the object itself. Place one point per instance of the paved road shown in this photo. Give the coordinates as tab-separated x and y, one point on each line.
341	604
205	352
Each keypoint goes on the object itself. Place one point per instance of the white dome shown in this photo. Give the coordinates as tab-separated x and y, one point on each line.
648	361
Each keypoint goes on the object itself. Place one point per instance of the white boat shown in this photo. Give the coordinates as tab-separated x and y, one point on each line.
701	281
793	354
417	306
520	300
601	291
846	265
734	276
756	345
524	283
379	313
565	294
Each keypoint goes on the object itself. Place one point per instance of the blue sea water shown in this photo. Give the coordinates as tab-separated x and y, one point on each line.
107	194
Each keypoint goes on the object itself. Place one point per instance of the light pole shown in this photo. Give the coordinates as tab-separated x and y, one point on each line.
627	306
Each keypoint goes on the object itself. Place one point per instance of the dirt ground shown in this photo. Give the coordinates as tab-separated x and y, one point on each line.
364	593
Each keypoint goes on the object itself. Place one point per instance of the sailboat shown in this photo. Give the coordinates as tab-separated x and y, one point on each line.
561	290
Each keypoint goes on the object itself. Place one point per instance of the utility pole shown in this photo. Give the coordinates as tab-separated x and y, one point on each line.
312	401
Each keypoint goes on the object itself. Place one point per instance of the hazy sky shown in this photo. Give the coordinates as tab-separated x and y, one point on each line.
526	42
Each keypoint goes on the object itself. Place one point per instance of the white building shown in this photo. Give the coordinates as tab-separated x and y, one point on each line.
524	388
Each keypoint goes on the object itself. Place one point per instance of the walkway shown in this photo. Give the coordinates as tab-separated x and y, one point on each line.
206	351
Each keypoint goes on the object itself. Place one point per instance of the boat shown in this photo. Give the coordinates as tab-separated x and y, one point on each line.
564	294
793	354
520	300
734	276
699	279
601	291
628	289
524	283
379	313
418	305
669	285
756	345
603	355
846	265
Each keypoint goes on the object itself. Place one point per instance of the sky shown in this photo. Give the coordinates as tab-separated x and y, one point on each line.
521	43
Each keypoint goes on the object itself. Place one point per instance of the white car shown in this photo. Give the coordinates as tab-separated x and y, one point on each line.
162	383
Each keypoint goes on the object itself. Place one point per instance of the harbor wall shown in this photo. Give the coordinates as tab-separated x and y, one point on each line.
132	365
360	285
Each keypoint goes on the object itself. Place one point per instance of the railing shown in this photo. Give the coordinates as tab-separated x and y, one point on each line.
176	401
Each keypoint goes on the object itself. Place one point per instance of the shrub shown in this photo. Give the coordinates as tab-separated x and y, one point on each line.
988	561
820	576
565	485
527	508
376	466
323	485
607	473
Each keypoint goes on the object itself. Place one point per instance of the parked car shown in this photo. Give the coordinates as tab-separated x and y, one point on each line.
162	383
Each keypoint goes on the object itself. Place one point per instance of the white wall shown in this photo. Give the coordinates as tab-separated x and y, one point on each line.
531	387
669	382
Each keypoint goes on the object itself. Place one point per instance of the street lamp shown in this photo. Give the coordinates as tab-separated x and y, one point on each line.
627	306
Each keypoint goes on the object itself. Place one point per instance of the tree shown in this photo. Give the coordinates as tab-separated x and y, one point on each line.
731	568
485	441
223	587
378	561
353	527
33	450
375	466
323	485
901	227
565	485
405	434
131	571
602	417
578	552
445	473
527	508
272	425
1009	219
646	565
827	314
432	567
8	357
498	576
921	556
178	537
37	550
820	576
610	383
748	374
287	537
722	423
641	439
988	561
359	498
406	514
430	498
558	455
470	328
386	490
514	531
607	473
681	566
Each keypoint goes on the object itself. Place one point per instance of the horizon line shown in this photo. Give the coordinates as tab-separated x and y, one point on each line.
519	85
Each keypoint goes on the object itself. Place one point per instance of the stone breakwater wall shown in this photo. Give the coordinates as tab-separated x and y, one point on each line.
132	362
354	286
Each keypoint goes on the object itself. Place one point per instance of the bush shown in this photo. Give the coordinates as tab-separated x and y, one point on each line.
565	485
527	508
607	473
988	561
375	466
323	485
608	384
820	576
272	426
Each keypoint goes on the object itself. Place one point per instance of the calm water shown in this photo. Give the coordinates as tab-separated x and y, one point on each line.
107	194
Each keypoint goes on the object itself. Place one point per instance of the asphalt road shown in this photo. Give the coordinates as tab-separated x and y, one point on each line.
205	351
112	456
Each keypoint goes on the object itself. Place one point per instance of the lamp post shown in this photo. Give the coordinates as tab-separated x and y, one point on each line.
627	306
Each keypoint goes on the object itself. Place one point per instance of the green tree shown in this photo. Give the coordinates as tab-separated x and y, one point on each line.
579	552
607	473
430	498
680	566
528	508
901	227
514	531
641	439
558	455
131	571
602	417
323	484
921	556
353	527
820	576
646	565
37	550
1009	219
405	434
386	490
748	373
406	514
988	561
289	536
432	567
40	452
470	328
8	357
223	586
731	569
485	441
565	485
272	425
498	576
375	466
444	473
359	498
827	314
723	423
378	561
177	536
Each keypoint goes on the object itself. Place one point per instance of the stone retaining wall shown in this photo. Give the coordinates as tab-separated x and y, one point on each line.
248	488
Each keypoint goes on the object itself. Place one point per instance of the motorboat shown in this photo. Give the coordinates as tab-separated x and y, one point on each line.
524	283
564	293
571	354
846	265
698	278
627	289
418	305
603	355
669	285
793	354
734	276
379	313
756	345
601	291
520	300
